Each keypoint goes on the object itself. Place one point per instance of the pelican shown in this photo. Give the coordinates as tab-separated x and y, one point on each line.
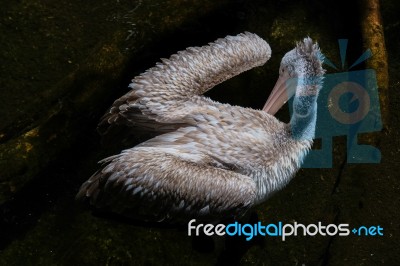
210	160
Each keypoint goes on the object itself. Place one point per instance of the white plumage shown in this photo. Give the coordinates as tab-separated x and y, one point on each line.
211	160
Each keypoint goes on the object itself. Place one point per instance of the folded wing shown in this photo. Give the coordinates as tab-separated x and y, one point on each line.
152	184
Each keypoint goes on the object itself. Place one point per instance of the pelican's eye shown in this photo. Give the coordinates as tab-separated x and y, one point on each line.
290	70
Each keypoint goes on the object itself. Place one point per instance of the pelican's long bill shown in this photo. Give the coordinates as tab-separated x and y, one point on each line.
206	160
283	90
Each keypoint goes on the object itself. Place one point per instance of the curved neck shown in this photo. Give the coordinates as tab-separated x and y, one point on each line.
304	117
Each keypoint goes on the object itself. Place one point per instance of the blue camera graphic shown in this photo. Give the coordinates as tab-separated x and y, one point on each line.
348	104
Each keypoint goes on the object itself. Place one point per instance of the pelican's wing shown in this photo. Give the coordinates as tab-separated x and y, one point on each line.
153	185
162	96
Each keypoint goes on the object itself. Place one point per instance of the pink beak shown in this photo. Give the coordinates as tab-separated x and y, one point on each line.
283	90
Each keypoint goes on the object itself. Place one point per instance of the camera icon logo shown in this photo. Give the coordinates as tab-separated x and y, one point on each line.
348	104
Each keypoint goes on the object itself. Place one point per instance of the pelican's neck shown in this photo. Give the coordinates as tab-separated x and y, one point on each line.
304	115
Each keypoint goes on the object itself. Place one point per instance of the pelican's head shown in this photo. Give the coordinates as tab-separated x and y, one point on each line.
300	72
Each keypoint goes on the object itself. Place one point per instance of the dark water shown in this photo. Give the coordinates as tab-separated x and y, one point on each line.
64	62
